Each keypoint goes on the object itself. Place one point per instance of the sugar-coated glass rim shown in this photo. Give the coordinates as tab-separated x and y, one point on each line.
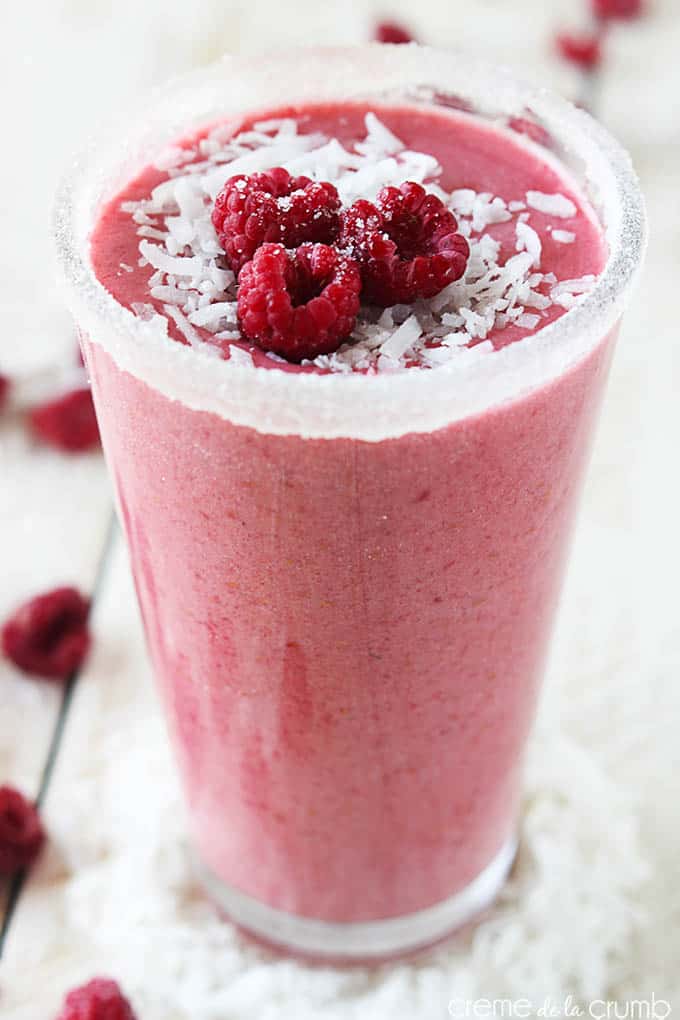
368	407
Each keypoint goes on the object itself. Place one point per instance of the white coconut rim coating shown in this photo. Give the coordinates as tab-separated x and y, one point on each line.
367	407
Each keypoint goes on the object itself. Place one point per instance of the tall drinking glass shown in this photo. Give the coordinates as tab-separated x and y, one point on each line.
348	581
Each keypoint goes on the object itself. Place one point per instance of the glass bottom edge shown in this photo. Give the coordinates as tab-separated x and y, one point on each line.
360	941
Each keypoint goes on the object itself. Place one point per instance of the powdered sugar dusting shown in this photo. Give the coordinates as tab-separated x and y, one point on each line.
197	292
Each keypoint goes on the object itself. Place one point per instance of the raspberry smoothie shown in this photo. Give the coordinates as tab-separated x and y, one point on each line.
347	580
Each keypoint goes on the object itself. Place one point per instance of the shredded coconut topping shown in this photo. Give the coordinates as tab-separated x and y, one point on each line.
197	292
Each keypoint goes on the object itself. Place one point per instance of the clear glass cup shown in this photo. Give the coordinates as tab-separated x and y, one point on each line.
348	582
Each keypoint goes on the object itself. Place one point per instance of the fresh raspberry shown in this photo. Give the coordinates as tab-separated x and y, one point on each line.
392	32
406	244
299	303
68	422
275	208
4	390
99	999
617	9
48	636
583	50
21	831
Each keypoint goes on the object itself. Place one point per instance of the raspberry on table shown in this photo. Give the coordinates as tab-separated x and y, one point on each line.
67	422
583	50
615	9
273	207
406	244
48	636
99	999
392	32
299	303
21	831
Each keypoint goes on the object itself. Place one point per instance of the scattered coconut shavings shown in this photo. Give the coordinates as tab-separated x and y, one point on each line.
261	158
196	291
552	205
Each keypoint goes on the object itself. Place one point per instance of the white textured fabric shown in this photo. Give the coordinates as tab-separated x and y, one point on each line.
594	908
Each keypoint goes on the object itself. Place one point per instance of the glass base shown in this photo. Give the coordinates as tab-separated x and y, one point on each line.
357	941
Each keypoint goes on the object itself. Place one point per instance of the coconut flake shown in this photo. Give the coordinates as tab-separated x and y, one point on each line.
169	295
563	236
379	138
153	233
239	356
462	201
184	326
553	205
255	160
577	286
567	293
402	339
212	315
177	265
487	210
527	320
529	241
144	311
171	157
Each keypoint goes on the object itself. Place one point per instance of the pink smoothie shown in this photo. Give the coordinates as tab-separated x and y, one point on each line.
349	635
